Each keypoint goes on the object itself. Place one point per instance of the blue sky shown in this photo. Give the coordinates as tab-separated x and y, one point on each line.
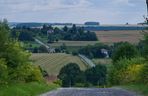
75	11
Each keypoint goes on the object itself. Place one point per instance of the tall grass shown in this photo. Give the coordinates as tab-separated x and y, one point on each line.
26	89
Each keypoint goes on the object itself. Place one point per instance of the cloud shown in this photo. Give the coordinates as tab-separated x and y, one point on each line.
106	11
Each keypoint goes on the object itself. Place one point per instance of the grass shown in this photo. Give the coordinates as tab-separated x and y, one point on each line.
32	44
52	63
102	61
26	89
139	88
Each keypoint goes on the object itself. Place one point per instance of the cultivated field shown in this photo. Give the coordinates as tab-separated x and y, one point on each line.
52	63
74	43
110	37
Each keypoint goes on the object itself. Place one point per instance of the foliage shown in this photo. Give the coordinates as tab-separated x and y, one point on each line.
124	50
94	51
71	75
126	71
72	34
143	46
3	71
23	34
144	74
68	74
96	75
138	88
15	60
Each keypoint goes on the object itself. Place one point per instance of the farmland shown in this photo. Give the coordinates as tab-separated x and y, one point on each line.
52	63
110	37
74	43
107	37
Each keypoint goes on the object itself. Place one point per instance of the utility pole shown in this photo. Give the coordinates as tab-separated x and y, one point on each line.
147	6
147	12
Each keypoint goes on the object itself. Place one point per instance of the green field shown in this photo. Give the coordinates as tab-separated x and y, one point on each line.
52	63
26	89
102	61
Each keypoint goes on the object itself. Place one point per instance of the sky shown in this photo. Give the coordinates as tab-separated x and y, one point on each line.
73	11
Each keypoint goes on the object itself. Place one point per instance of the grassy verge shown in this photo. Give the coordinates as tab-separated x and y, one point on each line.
26	89
140	88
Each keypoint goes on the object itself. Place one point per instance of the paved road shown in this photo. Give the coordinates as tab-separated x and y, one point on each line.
90	92
41	43
87	60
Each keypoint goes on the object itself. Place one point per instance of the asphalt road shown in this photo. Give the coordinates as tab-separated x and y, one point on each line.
90	92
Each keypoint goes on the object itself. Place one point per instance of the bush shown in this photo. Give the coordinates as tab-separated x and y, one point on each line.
124	50
96	75
68	74
126	71
3	72
144	74
58	82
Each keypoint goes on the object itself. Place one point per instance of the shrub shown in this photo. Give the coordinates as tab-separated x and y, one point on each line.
3	71
68	74
126	71
124	50
144	74
96	75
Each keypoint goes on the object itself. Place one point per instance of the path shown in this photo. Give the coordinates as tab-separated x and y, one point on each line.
90	92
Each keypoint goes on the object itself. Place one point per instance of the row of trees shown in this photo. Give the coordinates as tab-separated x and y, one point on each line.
94	51
130	63
15	65
73	34
54	34
71	76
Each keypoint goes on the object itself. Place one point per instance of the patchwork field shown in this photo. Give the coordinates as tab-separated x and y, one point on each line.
74	43
52	63
110	37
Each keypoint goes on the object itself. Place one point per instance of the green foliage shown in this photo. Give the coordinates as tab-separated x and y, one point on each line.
143	45
58	82
126	71
68	74
3	71
96	75
71	75
138	88
15	62
144	74
124	50
94	51
72	34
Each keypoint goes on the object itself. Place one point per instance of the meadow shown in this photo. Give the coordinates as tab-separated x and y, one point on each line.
52	63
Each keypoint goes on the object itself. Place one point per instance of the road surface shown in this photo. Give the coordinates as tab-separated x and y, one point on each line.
90	92
87	60
41	43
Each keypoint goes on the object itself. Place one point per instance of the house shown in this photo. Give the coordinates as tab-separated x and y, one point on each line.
105	52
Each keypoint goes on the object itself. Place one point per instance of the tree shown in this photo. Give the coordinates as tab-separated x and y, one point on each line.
14	58
143	45
68	74
96	75
65	29
124	50
25	36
